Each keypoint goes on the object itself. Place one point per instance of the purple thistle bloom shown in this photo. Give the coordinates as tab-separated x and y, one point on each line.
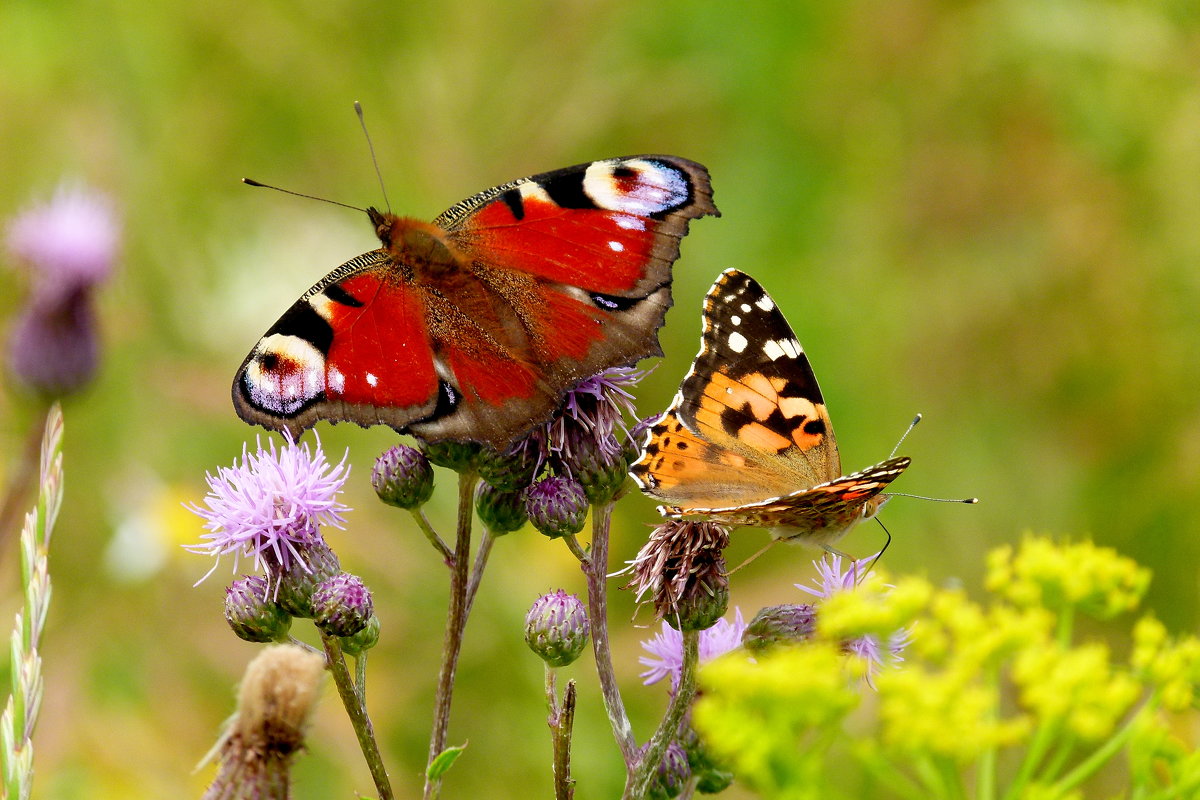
832	580
595	409
666	648
68	246
270	504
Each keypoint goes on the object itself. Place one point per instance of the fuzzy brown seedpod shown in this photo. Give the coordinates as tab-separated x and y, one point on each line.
276	698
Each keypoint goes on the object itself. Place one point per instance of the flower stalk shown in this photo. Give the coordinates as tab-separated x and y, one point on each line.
352	700
668	729
456	621
561	720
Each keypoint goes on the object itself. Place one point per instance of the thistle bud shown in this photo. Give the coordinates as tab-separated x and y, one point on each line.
502	511
457	456
600	472
779	625
556	628
314	564
252	615
672	775
342	605
402	477
557	506
362	641
513	469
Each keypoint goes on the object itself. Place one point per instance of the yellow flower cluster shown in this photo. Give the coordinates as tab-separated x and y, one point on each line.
944	712
1171	667
1062	576
1076	687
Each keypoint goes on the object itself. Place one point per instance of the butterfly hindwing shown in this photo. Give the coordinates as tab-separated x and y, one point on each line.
472	327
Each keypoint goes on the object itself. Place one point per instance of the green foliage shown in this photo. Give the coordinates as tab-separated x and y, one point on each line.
1006	683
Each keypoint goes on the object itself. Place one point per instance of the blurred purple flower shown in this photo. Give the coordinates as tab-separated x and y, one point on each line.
831	580
666	648
270	505
67	246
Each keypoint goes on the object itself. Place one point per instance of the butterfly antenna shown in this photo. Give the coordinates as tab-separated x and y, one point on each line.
252	182
907	431
374	161
754	557
968	500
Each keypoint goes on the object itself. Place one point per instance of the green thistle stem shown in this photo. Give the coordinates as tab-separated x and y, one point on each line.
360	677
363	729
431	535
595	570
481	559
456	621
668	729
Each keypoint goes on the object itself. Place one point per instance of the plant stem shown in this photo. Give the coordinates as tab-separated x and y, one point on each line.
595	570
360	677
561	721
481	559
1102	754
358	715
431	535
668	730
456	621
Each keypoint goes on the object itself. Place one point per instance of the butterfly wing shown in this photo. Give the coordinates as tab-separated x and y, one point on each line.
473	327
749	420
572	268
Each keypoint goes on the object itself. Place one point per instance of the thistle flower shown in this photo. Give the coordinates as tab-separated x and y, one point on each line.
402	477
275	701
68	246
556	506
830	581
582	440
270	505
683	569
666	648
556	628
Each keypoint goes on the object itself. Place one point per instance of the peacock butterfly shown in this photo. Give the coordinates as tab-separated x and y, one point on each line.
473	326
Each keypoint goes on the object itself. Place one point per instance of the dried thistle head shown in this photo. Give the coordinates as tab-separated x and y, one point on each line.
278	693
682	568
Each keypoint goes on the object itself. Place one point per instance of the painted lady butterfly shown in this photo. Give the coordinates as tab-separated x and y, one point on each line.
472	327
747	439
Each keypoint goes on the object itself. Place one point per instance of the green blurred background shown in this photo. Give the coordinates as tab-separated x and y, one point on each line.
986	211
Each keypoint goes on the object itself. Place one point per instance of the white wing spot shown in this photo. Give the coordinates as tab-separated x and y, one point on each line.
746	307
778	348
765	303
736	320
337	381
737	342
372	379
616	247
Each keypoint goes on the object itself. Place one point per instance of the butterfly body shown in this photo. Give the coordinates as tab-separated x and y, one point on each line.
471	327
747	439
